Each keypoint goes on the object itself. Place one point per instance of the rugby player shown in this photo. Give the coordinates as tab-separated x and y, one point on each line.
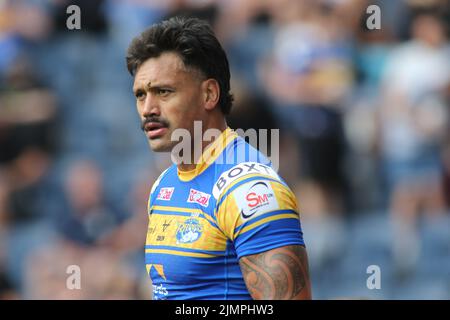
224	225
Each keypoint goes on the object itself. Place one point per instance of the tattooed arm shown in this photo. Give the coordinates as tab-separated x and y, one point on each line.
278	274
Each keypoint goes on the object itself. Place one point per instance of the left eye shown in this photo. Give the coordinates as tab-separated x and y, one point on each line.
163	92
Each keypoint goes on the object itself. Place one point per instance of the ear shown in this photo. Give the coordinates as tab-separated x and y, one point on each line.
211	93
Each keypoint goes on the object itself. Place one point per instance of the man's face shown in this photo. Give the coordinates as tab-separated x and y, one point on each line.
168	96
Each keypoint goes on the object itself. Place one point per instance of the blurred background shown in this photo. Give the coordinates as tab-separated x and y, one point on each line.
364	123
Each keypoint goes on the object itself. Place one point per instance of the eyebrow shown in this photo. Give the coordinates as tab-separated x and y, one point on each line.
150	86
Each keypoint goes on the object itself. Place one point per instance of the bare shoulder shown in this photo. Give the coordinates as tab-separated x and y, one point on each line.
278	274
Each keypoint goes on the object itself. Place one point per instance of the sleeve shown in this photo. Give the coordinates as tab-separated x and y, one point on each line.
256	210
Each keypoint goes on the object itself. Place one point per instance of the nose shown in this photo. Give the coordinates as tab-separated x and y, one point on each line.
151	106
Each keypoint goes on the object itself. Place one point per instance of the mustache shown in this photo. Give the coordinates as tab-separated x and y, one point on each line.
146	120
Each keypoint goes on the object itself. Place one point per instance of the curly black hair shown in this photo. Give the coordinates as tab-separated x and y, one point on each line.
194	41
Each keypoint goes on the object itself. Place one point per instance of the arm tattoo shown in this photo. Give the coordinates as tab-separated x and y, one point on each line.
278	274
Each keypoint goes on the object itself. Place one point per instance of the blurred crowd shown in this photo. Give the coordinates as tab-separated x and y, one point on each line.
364	119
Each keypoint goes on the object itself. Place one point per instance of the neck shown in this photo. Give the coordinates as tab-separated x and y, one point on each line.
220	125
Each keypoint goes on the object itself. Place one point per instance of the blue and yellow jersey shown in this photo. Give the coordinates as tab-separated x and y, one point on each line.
201	222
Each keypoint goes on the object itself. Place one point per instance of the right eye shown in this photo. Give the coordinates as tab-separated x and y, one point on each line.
140	95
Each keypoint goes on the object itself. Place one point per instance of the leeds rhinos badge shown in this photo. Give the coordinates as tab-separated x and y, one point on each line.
189	231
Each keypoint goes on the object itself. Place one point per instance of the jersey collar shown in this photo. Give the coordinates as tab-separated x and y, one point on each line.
210	154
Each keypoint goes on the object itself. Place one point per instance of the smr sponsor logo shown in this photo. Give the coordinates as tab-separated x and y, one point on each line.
258	196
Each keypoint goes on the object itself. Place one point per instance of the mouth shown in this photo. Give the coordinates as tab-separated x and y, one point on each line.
155	130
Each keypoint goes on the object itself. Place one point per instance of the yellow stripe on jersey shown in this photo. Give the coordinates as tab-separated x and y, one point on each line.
181	253
163	230
177	209
182	209
265	220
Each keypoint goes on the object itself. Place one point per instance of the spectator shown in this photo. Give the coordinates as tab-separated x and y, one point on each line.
413	120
